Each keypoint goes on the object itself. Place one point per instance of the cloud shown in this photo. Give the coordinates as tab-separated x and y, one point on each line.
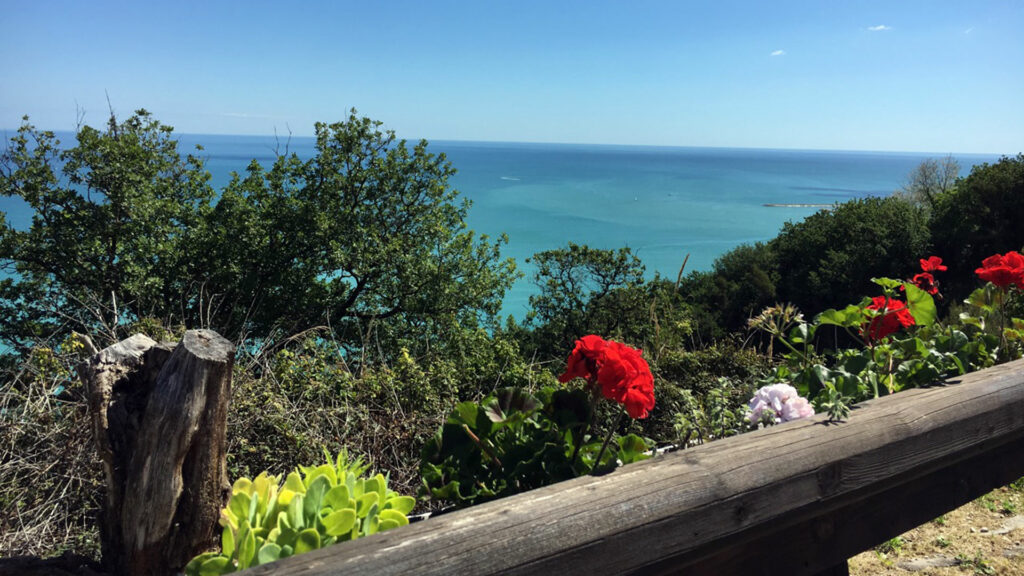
779	53
969	30
879	28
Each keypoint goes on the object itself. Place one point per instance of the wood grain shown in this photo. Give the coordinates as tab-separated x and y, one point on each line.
798	498
159	423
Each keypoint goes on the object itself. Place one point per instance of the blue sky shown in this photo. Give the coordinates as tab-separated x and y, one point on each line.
937	76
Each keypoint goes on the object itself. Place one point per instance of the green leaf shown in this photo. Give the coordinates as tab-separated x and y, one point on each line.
294	483
848	317
375	485
309	539
337	498
216	567
340	522
295	516
268	553
465	413
227	541
921	304
325	470
238	507
632	448
393	516
253	505
968	319
889	284
364	502
313	498
509	400
402	504
192	568
246	547
241	485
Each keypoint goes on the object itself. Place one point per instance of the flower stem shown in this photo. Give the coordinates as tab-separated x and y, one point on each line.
590	426
607	439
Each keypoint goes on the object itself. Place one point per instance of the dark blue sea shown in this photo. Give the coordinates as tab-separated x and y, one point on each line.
663	202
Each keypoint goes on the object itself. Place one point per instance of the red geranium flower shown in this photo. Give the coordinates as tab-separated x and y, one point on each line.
933	264
896	317
926	282
1003	270
619	370
626	378
584	359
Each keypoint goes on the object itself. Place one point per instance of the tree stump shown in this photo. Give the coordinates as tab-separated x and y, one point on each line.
159	422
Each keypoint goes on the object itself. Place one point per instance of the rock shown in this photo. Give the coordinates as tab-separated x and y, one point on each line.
918	564
1011	525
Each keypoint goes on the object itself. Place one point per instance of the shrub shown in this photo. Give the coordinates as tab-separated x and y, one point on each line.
50	474
829	259
980	217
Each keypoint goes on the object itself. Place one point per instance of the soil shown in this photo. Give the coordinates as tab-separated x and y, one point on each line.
983	537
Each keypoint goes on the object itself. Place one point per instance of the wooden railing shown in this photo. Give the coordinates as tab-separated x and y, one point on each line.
798	498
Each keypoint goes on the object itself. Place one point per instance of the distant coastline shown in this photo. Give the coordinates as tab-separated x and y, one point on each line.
798	205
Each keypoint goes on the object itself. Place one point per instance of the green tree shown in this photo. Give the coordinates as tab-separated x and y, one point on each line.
828	260
581	290
366	238
111	233
740	284
982	216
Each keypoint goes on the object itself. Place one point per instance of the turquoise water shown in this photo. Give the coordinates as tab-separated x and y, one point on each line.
664	203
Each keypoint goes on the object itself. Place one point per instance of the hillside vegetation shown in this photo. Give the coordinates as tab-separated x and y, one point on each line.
365	310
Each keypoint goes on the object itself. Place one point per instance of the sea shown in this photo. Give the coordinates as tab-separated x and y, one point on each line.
669	205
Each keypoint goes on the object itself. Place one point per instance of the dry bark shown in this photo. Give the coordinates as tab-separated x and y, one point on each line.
159	420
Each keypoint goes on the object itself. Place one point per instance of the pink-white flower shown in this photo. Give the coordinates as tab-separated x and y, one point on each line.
783	402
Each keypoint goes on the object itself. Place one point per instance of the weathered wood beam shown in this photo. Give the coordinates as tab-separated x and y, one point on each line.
798	498
159	421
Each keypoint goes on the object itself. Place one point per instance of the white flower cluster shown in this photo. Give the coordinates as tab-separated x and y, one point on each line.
783	402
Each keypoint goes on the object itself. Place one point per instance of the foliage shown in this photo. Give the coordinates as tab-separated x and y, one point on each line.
366	238
515	441
932	179
906	354
112	234
830	258
823	261
980	217
50	475
582	290
315	507
741	282
291	403
718	413
365	232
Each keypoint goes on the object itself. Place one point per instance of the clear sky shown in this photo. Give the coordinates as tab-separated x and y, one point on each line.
932	76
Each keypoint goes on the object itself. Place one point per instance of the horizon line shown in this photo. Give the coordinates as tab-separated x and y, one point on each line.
175	132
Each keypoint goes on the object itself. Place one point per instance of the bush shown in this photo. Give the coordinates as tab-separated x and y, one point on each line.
979	218
741	282
829	259
50	474
290	405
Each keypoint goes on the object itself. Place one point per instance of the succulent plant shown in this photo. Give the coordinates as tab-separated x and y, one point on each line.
315	507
